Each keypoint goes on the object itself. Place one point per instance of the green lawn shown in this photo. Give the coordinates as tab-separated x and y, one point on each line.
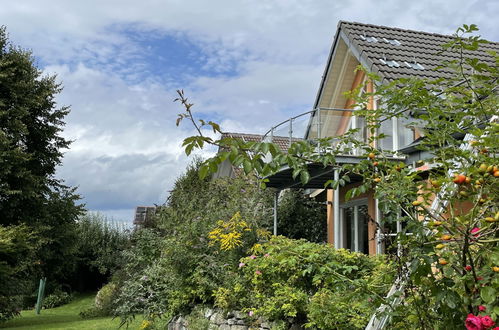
65	317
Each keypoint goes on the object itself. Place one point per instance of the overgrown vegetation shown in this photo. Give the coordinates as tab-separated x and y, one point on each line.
173	267
295	281
449	262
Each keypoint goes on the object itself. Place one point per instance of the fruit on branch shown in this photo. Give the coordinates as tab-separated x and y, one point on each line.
435	183
445	237
459	178
483	168
490	219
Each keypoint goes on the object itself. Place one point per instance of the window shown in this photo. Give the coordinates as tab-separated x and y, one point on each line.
398	133
385	128
414	65
390	63
355	219
368	39
393	42
405	132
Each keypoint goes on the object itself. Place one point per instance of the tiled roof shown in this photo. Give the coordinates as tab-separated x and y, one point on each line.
410	46
281	141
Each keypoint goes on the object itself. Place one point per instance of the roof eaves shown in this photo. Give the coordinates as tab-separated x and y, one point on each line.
332	52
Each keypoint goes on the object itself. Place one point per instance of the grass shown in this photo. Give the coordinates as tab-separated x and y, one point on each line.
65	317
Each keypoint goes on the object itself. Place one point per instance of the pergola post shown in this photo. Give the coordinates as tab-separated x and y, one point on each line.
336	211
276	197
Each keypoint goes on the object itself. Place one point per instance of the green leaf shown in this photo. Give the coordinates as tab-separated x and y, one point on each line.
296	172
188	149
304	177
203	171
488	294
247	165
265	148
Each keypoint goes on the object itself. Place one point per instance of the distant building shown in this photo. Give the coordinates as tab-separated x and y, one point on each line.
144	215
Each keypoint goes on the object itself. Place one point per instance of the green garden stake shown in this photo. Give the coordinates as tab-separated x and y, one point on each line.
41	292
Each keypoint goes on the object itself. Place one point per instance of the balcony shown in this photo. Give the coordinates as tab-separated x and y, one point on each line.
333	123
315	124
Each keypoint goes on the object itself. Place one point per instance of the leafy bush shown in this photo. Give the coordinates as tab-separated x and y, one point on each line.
56	299
18	245
300	216
105	297
177	267
100	244
308	283
103	303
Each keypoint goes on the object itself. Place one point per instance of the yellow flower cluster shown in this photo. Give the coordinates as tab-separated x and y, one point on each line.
228	234
146	324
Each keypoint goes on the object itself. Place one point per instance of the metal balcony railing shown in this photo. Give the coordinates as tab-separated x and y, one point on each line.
315	124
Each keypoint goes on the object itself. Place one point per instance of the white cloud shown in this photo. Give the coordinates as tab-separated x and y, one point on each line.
269	55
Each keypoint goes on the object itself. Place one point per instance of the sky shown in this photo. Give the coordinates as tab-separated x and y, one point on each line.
244	64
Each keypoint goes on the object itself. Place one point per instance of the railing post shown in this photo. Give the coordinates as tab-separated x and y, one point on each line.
272	135
290	131
318	123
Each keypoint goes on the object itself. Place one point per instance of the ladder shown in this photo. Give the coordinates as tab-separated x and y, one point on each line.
438	206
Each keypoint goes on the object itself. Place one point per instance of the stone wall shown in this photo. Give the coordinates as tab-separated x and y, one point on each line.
218	319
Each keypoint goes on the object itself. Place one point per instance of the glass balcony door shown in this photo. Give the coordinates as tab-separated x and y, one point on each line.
354	222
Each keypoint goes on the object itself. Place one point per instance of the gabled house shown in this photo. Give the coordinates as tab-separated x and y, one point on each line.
391	53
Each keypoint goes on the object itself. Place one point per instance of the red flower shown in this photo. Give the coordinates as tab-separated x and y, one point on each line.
482	308
474	230
473	323
487	322
468	268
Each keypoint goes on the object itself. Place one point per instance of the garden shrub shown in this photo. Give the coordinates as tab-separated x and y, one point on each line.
100	244
181	266
308	283
104	303
18	247
56	299
105	297
300	216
